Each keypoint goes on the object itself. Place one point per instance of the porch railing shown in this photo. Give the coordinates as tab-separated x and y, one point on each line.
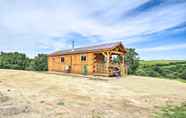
108	69
100	68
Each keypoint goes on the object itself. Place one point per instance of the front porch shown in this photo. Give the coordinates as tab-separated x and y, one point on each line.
110	63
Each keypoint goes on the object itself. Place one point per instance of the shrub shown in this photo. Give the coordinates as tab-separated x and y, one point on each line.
15	60
172	70
140	72
172	112
183	75
153	73
85	70
40	63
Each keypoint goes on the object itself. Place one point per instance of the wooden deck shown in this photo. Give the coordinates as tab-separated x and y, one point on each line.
107	69
101	74
96	76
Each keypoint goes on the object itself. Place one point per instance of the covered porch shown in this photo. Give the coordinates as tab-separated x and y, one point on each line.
110	63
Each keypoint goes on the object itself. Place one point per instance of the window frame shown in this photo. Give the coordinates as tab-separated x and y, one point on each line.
63	59
53	59
83	58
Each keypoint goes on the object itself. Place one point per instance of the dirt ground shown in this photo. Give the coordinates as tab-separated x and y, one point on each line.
40	95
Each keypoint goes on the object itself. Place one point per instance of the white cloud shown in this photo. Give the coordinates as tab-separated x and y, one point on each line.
64	19
31	24
164	48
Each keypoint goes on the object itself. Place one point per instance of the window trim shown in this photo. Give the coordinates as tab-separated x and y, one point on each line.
83	55
63	59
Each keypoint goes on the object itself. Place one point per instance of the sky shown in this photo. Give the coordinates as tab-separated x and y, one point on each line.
155	28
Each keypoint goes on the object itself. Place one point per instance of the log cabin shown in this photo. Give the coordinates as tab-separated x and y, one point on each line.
97	60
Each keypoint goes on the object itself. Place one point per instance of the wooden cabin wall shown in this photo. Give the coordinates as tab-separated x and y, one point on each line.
54	63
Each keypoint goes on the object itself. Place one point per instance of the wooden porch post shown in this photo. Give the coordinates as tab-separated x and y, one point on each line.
124	69
108	61
107	55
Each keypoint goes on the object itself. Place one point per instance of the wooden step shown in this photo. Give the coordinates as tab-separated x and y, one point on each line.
101	74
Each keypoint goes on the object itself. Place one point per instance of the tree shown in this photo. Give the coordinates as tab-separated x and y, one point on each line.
40	63
30	64
13	60
117	59
132	60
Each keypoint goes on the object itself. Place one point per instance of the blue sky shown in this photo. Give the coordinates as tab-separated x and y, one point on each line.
156	28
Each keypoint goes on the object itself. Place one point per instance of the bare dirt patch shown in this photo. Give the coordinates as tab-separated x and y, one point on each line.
41	95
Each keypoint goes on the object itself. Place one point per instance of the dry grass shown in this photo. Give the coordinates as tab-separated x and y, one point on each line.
40	95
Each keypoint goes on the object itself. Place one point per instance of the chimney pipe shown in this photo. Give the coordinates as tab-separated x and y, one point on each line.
73	45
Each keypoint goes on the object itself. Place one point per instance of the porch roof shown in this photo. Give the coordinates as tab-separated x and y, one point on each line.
94	48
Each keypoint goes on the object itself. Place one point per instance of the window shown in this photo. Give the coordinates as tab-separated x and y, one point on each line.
62	59
53	59
83	58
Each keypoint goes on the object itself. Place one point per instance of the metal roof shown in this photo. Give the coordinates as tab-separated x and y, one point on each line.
93	48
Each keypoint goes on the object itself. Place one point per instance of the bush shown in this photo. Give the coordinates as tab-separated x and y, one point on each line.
40	63
183	75
19	61
172	112
13	60
153	73
172	70
140	72
85	70
30	64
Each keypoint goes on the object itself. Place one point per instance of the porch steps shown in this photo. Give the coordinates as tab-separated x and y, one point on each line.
101	74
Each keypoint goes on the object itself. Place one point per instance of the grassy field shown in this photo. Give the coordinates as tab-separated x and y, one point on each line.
26	94
172	111
169	69
154	62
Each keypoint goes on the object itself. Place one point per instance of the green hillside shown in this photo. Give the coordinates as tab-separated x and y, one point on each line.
172	69
154	62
